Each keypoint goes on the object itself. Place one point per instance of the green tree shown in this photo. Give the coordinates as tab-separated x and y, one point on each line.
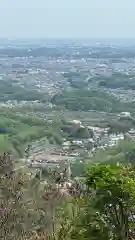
107	211
113	199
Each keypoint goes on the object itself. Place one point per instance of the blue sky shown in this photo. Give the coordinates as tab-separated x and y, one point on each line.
67	18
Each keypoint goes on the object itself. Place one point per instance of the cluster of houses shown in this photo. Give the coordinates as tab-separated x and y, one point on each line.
101	139
61	159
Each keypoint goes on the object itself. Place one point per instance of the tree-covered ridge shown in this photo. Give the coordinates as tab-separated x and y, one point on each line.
123	152
91	100
117	80
10	92
23	129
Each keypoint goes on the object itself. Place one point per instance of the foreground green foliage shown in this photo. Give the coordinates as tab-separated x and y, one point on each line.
101	206
107	212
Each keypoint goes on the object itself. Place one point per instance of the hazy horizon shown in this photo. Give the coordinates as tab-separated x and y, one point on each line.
72	19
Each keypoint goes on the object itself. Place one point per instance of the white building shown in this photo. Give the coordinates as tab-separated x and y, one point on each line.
77	122
125	114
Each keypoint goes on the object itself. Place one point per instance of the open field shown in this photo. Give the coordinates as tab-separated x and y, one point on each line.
50	157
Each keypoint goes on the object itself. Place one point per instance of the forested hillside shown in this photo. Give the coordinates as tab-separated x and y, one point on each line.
91	100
